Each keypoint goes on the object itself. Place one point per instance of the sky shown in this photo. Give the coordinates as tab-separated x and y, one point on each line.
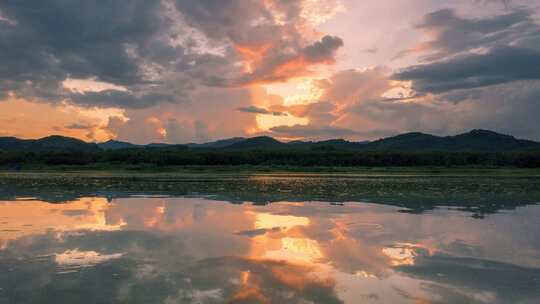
180	71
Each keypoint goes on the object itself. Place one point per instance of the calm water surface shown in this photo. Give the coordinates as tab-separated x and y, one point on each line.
202	248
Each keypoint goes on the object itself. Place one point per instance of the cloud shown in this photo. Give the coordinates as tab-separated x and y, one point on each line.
499	65
352	105
202	134
79	39
138	129
177	66
150	46
372	50
510	108
481	73
452	34
122	99
318	113
301	131
283	66
273	40
331	115
474	52
323	50
259	110
211	114
507	4
254	109
178	131
79	126
163	55
116	44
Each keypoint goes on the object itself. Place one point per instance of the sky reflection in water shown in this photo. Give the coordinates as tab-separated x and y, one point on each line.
196	250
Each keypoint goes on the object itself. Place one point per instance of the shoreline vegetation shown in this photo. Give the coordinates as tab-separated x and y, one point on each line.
289	159
148	171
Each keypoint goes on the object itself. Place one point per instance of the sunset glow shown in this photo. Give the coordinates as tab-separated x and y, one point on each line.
178	71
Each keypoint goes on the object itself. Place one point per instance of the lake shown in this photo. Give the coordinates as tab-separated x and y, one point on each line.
269	239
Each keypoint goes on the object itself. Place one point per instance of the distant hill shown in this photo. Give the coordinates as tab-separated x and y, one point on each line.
340	144
489	140
475	140
413	140
54	142
117	145
162	145
222	143
259	142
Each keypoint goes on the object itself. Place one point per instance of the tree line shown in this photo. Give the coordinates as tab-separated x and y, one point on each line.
270	157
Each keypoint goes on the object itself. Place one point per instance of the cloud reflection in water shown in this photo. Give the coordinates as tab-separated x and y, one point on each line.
194	250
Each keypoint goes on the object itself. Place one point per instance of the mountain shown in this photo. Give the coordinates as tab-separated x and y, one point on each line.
489	140
340	143
117	145
330	144
413	140
260	142
222	143
162	145
13	143
475	140
54	142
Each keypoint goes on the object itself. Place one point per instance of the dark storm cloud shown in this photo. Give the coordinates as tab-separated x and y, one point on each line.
115	98
126	43
230	19
454	34
323	50
46	42
475	52
254	109
500	65
77	38
149	46
259	110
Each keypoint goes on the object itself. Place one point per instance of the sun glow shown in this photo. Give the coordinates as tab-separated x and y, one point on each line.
266	122
299	91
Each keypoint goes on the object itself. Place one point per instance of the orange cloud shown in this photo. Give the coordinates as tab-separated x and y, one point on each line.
267	63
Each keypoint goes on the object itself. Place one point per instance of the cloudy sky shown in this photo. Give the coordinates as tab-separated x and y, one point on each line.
182	71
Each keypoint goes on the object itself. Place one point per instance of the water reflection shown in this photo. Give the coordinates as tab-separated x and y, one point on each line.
200	250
